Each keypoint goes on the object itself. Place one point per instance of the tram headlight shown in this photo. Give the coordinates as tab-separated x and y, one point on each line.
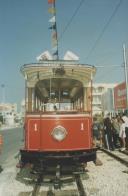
59	133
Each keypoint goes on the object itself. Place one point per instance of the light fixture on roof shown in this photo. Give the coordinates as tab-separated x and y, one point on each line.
44	56
71	56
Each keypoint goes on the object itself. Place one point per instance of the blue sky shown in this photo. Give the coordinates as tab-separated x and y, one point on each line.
96	34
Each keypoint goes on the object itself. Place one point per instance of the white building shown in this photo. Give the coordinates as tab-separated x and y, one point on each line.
102	98
8	111
8	107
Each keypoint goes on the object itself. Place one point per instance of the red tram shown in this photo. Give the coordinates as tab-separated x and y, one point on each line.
58	118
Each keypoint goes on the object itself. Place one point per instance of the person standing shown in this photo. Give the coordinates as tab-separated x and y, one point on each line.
116	130
122	134
125	119
1	143
95	131
108	133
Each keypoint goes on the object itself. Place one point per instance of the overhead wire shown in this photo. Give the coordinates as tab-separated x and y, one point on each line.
100	36
71	19
106	66
109	72
105	27
102	32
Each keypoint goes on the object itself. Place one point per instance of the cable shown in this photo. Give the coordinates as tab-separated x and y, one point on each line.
103	75
105	27
70	21
106	66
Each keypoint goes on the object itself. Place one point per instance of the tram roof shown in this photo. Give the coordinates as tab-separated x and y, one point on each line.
46	69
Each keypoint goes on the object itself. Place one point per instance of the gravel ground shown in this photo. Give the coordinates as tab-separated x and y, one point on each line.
9	185
109	179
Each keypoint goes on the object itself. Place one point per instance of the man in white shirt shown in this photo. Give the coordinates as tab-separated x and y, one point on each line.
125	119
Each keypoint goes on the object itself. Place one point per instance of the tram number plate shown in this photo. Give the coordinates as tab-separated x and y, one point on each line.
35	127
82	127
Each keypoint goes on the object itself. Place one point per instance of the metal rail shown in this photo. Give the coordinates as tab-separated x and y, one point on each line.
37	185
50	193
123	161
80	185
124	152
55	184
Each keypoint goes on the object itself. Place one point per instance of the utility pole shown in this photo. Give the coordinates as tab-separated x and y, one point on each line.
3	93
126	74
3	102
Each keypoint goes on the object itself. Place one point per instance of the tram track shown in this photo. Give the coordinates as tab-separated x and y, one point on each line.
120	156
77	190
37	185
80	186
73	184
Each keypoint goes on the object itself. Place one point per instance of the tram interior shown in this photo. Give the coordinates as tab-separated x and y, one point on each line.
58	94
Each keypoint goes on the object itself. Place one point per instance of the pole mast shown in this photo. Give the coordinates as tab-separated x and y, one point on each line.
126	74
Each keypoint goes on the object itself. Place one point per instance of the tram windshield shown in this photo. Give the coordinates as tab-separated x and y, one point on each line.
58	94
56	88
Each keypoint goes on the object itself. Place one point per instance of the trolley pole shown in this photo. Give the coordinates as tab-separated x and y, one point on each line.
126	74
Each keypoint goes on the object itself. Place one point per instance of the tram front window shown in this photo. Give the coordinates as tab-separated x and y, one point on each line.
58	107
58	95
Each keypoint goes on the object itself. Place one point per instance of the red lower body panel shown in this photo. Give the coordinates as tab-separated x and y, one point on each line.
39	132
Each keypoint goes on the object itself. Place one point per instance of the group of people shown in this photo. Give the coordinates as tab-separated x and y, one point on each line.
1	143
112	132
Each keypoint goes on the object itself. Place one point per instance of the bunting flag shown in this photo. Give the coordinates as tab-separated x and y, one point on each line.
52	20
53	27
51	1
52	10
54	35
54	43
54	48
56	53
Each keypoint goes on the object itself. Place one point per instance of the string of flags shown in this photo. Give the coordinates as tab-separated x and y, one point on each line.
51	1
53	28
